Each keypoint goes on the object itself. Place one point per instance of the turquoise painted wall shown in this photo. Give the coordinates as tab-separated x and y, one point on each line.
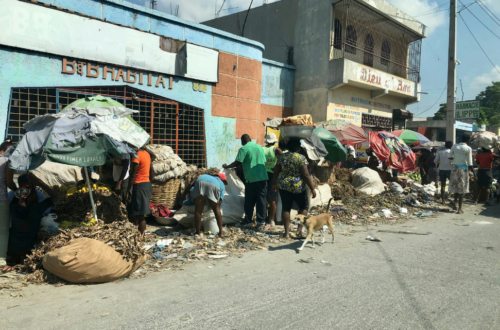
277	84
27	69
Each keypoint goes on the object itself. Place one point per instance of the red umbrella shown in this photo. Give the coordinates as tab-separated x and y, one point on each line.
392	150
346	133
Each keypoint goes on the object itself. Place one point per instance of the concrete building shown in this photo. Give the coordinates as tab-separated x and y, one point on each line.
435	130
197	89
356	60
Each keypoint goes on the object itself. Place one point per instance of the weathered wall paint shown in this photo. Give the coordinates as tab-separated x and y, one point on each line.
277	84
142	18
20	68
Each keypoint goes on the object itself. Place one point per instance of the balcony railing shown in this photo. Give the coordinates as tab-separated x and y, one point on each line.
364	36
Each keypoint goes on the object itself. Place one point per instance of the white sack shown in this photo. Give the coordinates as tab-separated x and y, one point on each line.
161	168
55	174
396	188
367	181
485	141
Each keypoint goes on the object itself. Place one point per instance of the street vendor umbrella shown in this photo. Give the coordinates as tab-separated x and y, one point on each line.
411	137
393	151
346	133
336	152
75	137
429	145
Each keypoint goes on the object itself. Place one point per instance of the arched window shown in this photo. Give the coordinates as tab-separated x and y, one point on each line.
386	53
368	58
351	40
337	35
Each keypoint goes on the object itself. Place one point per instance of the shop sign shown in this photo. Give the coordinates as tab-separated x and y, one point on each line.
384	80
89	70
348	116
200	87
467	110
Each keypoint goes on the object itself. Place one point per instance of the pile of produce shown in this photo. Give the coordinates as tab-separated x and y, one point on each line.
71	188
415	176
76	208
122	236
167	164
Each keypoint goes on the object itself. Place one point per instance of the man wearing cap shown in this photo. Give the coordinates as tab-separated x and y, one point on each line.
271	152
251	157
208	190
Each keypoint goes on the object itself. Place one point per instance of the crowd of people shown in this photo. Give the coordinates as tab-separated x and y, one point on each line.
268	172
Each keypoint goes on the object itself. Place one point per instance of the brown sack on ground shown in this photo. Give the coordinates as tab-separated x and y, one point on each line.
86	260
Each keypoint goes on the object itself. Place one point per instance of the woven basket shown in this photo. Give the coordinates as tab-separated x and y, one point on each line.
168	194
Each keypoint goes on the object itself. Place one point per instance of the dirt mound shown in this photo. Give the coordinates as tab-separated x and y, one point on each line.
122	236
343	174
77	207
342	189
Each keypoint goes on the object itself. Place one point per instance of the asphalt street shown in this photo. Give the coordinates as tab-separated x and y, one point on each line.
449	279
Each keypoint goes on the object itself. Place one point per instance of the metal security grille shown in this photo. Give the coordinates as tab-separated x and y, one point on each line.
177	125
364	36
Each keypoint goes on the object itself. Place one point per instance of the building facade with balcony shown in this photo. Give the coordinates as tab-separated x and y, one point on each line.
356	60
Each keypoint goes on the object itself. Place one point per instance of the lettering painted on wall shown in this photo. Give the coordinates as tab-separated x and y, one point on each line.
200	87
90	70
373	104
348	116
384	80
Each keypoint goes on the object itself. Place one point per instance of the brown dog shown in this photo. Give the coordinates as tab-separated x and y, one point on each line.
316	223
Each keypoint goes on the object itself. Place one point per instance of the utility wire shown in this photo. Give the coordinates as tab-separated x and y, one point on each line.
439	98
432	49
481	4
494	66
430	10
480	21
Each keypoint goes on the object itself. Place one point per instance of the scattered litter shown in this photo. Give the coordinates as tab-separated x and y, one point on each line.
221	243
171	256
354	217
164	242
373	239
403	210
187	245
423	214
218	257
403	232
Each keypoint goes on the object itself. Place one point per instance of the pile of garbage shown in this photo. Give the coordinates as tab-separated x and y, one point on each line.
121	235
168	165
171	249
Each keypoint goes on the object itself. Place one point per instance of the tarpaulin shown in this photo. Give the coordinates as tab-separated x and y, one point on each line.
392	151
346	133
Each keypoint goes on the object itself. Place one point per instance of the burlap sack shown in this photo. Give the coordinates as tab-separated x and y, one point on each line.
298	120
86	260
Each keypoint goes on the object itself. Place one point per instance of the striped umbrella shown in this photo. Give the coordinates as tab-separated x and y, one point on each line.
411	137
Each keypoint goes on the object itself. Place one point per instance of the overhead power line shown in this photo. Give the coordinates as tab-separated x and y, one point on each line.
480	21
489	59
481	4
439	98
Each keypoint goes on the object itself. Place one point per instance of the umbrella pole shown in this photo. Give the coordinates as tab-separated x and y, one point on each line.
90	192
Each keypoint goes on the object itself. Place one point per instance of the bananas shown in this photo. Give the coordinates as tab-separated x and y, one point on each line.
70	189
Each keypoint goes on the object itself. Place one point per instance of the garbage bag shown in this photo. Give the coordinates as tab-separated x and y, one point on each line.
86	260
367	181
396	188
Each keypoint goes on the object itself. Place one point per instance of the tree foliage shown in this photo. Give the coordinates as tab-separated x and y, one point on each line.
489	113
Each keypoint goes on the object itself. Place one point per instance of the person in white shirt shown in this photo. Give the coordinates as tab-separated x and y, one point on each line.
461	155
121	166
443	160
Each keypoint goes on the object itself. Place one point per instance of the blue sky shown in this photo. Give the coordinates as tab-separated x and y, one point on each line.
476	72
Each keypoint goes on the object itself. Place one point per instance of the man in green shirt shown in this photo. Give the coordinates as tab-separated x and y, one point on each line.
251	157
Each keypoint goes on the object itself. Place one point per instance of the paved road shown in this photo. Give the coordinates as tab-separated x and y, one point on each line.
449	279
